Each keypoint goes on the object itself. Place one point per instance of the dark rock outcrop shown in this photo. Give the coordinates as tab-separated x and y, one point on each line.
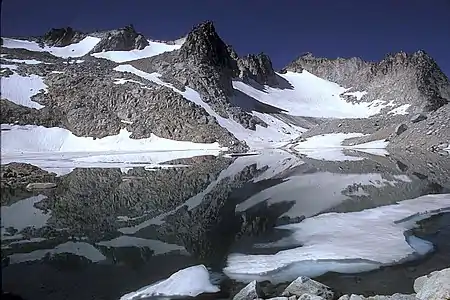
123	39
61	37
257	67
11	113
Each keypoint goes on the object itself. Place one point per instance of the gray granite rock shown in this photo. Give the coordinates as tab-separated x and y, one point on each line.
418	117
249	292
123	39
435	286
400	129
304	285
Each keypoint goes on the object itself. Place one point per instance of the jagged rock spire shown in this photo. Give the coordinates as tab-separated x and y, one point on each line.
204	45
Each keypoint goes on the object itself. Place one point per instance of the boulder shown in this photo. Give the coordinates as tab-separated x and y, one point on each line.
304	285
310	297
379	297
417	118
400	129
250	292
435	286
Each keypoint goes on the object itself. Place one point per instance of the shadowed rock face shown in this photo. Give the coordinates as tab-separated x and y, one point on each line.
257	67
124	39
204	46
405	78
61	37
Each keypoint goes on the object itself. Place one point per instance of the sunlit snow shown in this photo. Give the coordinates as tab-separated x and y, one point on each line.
401	110
59	151
24	61
31	138
311	96
19	89
74	50
356	242
191	281
153	49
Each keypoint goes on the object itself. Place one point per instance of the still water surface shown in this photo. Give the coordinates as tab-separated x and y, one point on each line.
105	232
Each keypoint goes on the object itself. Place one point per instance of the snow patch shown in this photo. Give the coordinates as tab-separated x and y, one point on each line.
153	49
191	281
19	89
355	242
77	248
401	110
311	96
156	246
74	50
358	95
31	138
24	61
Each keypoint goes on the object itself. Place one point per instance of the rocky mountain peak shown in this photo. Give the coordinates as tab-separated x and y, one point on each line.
123	39
60	37
410	78
257	67
204	46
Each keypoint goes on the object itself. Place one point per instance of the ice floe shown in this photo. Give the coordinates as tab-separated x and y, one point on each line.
343	242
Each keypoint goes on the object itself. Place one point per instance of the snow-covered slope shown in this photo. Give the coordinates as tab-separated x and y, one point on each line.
58	150
311	96
41	139
74	50
19	89
154	48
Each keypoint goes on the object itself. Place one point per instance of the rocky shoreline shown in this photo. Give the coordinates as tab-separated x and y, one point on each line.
434	286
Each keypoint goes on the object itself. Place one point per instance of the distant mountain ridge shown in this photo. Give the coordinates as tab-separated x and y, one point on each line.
199	89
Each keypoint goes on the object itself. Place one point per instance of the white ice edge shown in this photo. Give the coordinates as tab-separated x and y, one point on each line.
357	242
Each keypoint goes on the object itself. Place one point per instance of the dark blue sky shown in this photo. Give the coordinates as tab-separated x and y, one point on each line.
281	28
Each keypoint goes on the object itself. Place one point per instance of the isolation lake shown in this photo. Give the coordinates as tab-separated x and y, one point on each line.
362	223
